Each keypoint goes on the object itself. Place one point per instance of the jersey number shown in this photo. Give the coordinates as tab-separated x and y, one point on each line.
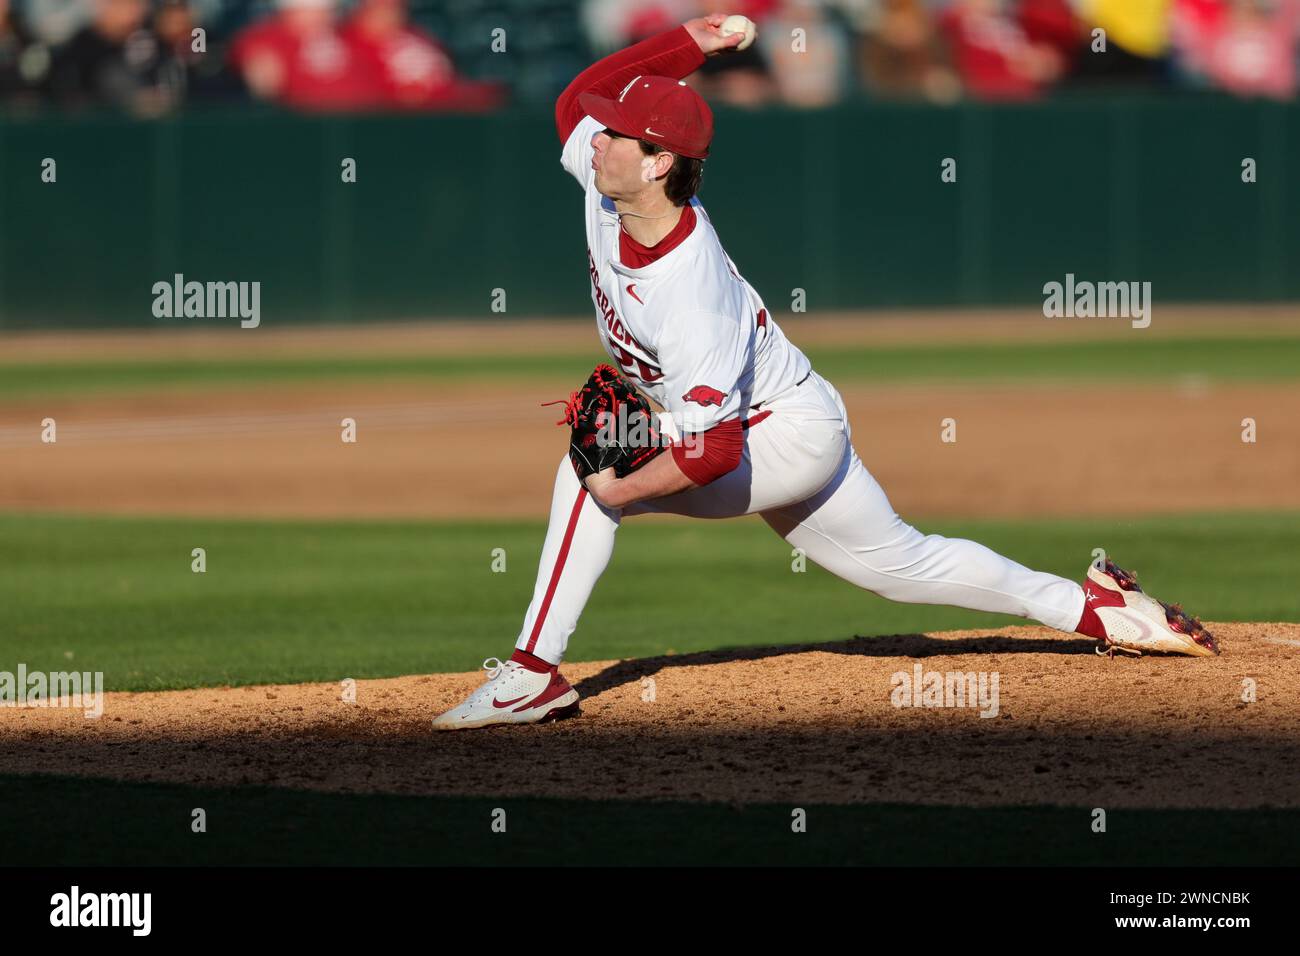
637	367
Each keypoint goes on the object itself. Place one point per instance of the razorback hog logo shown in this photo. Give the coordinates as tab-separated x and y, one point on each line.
703	395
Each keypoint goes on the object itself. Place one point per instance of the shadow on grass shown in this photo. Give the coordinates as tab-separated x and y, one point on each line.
54	821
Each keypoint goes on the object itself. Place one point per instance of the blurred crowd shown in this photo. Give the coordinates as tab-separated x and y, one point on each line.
150	57
942	50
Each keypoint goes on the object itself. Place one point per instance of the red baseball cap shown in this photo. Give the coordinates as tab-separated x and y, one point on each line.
658	109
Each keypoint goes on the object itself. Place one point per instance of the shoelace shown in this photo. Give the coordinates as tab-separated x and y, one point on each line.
494	667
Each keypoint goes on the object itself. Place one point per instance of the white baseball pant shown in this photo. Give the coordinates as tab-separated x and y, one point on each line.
801	473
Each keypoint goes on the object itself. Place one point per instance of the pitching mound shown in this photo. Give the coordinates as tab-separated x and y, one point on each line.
803	724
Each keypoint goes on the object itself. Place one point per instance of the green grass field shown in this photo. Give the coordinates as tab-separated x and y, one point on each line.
1136	358
291	601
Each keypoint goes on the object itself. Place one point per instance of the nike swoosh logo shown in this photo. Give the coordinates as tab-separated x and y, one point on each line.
1148	631
630	286
507	703
650	132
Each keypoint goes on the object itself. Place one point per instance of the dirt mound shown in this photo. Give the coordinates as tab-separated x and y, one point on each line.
795	723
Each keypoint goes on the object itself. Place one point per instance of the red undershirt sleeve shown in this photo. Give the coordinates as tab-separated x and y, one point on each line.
709	455
673	53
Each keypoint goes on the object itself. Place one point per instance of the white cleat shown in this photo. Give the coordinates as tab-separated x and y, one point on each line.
1137	623
512	695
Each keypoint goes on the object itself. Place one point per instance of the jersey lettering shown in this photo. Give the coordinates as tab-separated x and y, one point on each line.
617	334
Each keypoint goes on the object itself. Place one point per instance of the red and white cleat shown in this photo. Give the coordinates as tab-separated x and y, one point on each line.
1137	623
513	694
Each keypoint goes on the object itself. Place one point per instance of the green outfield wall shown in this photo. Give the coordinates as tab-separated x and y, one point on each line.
847	204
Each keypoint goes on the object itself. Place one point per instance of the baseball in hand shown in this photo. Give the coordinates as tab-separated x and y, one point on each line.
738	24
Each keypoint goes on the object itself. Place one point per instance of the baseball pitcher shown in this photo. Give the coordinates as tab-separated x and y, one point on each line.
748	426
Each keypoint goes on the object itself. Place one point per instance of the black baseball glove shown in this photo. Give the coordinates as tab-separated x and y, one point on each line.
612	426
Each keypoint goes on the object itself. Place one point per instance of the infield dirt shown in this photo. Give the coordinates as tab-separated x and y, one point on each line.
437	452
485	448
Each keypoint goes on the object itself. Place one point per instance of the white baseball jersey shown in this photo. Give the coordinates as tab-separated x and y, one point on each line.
689	324
687	330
